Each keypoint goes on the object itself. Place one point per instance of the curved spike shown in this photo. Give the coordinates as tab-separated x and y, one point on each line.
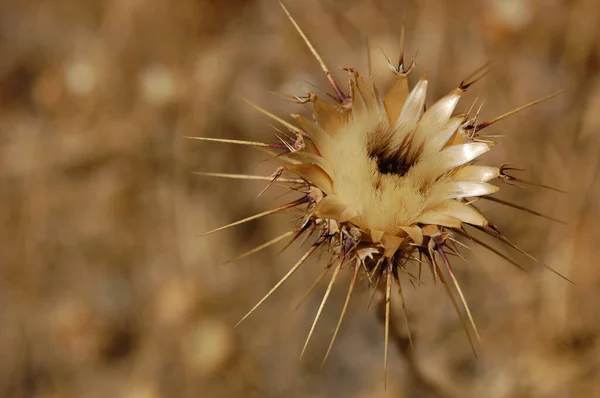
311	289
455	305
261	247
505	240
475	76
310	251
237	142
338	91
246	177
483	125
525	209
375	286
440	250
265	112
405	312
337	328
388	294
490	248
507	178
256	216
336	272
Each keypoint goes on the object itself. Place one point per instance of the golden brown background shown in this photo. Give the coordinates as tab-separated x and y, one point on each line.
106	292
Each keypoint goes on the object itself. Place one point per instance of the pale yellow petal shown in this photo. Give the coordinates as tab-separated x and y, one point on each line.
329	116
462	211
476	173
443	220
396	97
313	174
457	155
329	207
436	117
436	140
465	189
413	107
359	107
376	235
319	136
366	92
308	157
415	233
391	244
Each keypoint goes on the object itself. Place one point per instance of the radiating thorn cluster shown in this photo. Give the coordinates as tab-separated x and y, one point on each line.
385	182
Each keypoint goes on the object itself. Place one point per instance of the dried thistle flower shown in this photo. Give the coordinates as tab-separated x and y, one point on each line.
385	182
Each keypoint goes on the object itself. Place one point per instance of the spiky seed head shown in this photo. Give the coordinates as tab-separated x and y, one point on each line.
385	181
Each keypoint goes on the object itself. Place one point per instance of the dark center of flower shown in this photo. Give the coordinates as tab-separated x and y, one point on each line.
390	160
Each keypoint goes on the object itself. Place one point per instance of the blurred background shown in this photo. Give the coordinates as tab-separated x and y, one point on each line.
105	290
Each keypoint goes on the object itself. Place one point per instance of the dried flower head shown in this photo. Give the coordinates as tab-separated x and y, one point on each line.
385	181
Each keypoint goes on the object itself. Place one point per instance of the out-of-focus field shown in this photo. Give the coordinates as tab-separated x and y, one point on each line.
106	292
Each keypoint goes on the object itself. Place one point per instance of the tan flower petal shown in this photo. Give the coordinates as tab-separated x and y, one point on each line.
438	138
308	157
366	92
329	207
462	211
319	136
396	97
465	189
413	107
329	116
359	106
313	174
391	243
376	235
415	233
435	218
436	117
457	155
476	173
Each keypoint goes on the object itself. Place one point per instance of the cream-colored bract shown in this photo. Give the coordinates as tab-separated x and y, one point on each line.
384	181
